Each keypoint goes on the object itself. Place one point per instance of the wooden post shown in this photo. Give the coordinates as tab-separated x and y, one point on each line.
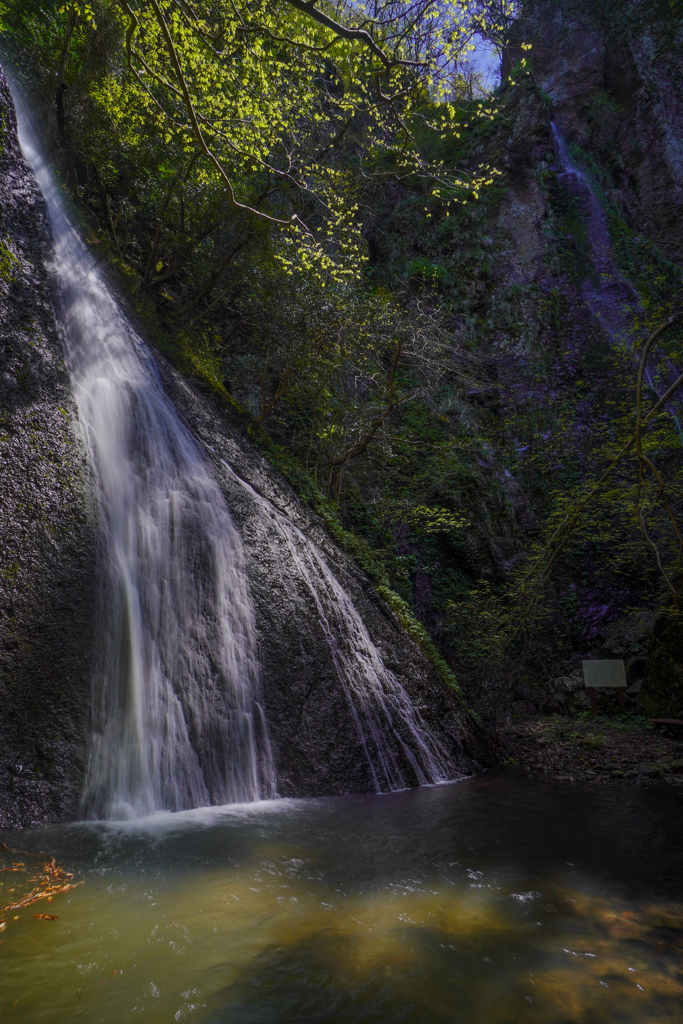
594	701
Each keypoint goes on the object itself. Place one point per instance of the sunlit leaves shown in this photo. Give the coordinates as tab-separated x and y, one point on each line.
268	90
79	10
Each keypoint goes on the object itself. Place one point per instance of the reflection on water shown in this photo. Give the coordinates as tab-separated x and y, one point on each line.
487	902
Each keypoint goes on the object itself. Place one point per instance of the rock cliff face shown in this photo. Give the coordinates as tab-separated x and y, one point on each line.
611	78
48	538
614	76
48	577
546	281
567	272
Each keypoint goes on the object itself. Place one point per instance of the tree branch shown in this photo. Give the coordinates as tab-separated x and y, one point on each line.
360	35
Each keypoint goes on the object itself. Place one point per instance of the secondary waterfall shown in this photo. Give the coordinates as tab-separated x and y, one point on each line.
386	721
611	297
177	718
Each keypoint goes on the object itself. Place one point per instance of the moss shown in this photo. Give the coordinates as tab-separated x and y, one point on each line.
7	261
358	548
371	561
570	232
3	112
418	633
197	362
11	573
372	564
193	369
594	741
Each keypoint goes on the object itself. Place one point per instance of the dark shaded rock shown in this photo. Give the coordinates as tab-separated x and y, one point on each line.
628	638
662	690
47	534
614	78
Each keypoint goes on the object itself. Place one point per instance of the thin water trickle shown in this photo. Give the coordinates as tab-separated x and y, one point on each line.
381	708
611	298
177	718
568	165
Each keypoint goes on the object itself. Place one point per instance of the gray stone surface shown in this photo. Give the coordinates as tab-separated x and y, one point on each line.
615	81
47	530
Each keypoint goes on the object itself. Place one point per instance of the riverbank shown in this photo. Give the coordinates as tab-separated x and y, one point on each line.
586	748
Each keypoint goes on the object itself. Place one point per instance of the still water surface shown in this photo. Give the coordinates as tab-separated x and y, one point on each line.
491	901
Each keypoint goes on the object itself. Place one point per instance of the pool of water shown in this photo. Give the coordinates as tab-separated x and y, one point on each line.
491	901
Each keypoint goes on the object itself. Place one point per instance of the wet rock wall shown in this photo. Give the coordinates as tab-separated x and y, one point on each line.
47	531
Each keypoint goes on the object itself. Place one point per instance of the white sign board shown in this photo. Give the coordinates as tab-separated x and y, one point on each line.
604	673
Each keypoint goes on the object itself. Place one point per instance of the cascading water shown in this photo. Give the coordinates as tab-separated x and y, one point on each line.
390	728
177	718
612	298
177	715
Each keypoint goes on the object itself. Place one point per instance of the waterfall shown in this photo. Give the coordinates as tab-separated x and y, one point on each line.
612	299
609	296
386	721
177	715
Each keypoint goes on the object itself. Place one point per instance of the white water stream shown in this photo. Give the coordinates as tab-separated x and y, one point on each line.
177	719
386	720
613	300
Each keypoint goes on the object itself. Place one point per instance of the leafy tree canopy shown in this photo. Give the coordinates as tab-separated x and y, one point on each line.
261	95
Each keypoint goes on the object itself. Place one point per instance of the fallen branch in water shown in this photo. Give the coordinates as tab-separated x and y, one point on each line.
49	882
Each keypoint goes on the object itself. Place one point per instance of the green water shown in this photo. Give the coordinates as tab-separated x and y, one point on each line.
492	901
